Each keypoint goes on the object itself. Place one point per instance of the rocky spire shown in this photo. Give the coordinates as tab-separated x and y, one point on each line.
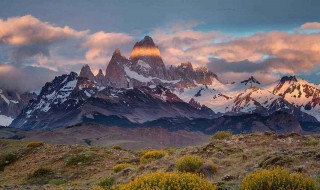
115	74
86	72
100	78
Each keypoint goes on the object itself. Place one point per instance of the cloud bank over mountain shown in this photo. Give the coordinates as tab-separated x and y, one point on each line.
27	41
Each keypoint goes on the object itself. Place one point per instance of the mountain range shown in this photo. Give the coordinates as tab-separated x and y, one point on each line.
140	91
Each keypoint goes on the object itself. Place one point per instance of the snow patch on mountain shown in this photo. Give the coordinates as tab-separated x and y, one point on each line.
5	120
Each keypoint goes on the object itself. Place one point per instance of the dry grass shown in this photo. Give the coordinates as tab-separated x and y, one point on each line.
225	162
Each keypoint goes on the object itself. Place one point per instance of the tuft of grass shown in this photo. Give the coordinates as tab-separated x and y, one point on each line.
152	155
220	135
107	183
34	144
119	167
168	180
189	163
56	182
277	178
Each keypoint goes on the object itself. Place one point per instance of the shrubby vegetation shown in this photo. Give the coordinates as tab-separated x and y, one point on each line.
41	176
79	159
152	155
120	167
279	179
107	183
189	163
220	135
169	180
7	159
34	144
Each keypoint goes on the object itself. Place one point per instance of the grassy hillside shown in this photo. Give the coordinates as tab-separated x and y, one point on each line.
224	160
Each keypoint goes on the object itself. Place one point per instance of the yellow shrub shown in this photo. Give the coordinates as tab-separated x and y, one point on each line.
152	155
34	144
97	188
169	180
277	178
220	135
120	167
189	163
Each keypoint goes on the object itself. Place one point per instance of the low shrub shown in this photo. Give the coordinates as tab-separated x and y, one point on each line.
41	176
312	142
152	155
117	147
220	135
79	159
189	163
276	160
7	159
169	180
120	167
277	178
107	183
34	144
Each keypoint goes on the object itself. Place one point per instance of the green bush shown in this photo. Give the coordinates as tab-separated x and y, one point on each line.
277	179
220	135
41	176
189	163
276	160
79	159
169	180
152	155
120	167
107	183
7	159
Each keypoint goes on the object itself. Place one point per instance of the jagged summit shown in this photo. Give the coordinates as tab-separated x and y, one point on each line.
147	41
147	53
86	72
145	48
289	79
251	80
100	73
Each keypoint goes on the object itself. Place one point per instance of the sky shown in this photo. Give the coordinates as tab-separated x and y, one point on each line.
40	39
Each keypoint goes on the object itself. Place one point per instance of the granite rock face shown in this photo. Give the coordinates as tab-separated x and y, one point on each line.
86	72
115	72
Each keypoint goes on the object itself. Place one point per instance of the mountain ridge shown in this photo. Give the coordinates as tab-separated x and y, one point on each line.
141	89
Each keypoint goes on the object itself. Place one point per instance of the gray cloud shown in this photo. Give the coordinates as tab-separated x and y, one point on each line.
24	79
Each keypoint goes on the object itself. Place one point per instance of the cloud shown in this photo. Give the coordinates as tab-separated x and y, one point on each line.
29	36
311	26
177	40
273	53
26	30
101	43
24	79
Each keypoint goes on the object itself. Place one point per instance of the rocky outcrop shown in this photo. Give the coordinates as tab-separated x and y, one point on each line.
11	103
101	79
86	72
250	81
